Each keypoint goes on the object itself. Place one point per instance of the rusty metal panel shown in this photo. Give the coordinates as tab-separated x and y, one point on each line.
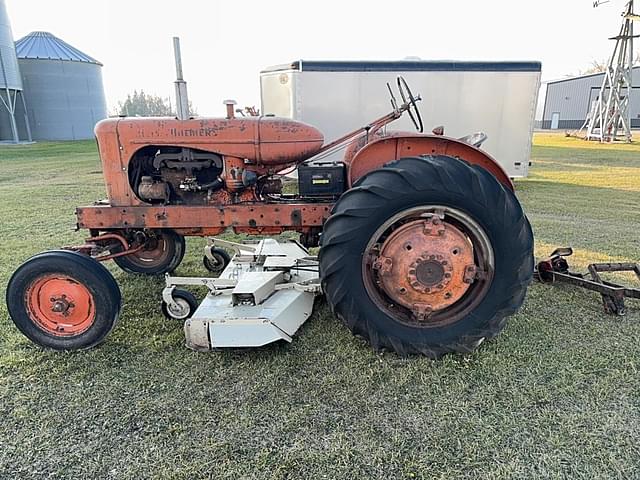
257	218
264	140
384	150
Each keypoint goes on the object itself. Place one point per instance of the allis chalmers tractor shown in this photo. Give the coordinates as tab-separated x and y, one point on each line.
424	248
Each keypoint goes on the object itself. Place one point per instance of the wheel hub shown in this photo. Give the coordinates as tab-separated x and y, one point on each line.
57	313
426	265
429	271
154	252
180	309
61	305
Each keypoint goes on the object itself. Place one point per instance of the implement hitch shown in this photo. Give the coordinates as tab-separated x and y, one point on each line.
556	269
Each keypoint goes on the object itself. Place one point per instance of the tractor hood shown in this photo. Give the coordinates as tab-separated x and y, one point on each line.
264	140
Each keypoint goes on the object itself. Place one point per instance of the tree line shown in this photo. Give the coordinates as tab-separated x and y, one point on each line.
142	104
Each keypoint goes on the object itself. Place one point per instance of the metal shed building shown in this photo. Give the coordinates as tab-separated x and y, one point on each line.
63	88
564	104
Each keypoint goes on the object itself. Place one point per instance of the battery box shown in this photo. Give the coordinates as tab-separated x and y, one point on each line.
321	180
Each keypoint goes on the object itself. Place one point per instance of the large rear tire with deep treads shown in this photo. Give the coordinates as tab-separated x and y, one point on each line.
63	300
427	255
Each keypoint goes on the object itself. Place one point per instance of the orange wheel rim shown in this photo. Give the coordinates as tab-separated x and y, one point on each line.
60	305
428	266
156	254
430	261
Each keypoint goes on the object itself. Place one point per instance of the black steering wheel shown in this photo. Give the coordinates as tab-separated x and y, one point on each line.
410	100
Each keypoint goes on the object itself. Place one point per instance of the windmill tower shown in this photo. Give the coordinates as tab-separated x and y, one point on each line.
610	116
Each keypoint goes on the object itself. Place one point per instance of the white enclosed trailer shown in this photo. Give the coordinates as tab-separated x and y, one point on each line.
497	98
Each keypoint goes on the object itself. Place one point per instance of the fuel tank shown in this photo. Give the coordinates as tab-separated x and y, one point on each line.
264	140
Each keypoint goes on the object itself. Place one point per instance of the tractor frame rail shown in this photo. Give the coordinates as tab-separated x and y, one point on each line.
555	269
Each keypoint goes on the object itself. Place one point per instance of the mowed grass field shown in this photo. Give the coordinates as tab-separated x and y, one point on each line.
557	395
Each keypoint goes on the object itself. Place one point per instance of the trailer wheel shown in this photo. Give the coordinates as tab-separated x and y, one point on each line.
427	255
186	305
164	251
63	300
220	260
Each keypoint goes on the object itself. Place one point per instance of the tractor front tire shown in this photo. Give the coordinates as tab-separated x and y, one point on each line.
428	255
63	300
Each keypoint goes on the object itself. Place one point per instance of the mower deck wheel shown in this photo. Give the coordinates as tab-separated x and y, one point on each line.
185	305
220	260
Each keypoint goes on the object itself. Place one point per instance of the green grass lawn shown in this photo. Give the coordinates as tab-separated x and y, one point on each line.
557	395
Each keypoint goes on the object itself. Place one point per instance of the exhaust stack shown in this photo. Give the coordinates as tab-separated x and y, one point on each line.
182	99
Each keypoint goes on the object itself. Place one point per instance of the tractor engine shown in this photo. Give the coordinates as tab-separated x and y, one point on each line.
185	176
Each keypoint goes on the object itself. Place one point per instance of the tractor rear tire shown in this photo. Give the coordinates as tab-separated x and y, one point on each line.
417	301
163	256
63	300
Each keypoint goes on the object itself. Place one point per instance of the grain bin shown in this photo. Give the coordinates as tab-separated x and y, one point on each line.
63	88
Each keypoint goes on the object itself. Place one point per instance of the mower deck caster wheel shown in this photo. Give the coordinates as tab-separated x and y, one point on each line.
185	305
220	260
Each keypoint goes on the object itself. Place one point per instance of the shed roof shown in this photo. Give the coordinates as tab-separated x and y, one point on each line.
579	77
44	45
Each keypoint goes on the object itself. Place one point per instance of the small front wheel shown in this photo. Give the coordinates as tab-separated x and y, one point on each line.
63	300
185	304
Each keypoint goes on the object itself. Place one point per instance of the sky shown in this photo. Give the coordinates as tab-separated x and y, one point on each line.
225	44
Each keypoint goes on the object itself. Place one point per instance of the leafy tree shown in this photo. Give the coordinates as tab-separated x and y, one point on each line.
142	104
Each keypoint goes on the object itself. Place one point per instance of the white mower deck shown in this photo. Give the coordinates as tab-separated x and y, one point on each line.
264	295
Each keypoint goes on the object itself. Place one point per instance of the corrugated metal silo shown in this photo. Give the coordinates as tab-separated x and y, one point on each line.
63	88
10	81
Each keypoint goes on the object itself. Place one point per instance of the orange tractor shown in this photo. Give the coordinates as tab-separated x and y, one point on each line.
424	248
